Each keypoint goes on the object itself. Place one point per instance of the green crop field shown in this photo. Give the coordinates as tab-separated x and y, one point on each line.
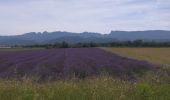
19	49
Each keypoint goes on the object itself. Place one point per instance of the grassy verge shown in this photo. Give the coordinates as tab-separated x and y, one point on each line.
149	87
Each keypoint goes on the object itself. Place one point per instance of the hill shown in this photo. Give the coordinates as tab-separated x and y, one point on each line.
58	36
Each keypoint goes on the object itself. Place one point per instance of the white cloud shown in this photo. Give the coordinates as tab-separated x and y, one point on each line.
20	16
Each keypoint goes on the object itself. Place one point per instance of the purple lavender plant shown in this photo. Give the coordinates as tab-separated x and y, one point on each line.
63	63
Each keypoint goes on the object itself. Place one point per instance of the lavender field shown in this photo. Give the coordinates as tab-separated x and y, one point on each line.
66	63
79	74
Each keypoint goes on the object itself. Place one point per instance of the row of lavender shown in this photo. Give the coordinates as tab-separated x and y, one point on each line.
64	63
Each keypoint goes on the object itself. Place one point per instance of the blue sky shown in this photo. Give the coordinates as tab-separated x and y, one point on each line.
21	16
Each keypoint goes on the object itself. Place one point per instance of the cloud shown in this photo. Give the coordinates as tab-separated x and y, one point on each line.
20	16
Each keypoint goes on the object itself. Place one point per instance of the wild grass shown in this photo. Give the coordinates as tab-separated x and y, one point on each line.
149	87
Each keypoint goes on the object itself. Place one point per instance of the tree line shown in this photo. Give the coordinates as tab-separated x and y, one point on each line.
135	43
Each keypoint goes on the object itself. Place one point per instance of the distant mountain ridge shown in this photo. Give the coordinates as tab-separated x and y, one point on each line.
71	37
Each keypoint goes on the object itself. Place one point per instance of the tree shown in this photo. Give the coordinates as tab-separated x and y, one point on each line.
64	45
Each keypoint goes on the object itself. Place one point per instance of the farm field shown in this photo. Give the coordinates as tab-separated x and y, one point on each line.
63	63
153	55
83	74
19	49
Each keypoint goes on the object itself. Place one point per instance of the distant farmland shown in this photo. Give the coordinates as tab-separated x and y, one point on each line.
154	55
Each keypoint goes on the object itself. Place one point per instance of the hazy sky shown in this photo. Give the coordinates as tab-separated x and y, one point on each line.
21	16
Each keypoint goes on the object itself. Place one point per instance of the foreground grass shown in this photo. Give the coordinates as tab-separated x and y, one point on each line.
99	88
154	55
